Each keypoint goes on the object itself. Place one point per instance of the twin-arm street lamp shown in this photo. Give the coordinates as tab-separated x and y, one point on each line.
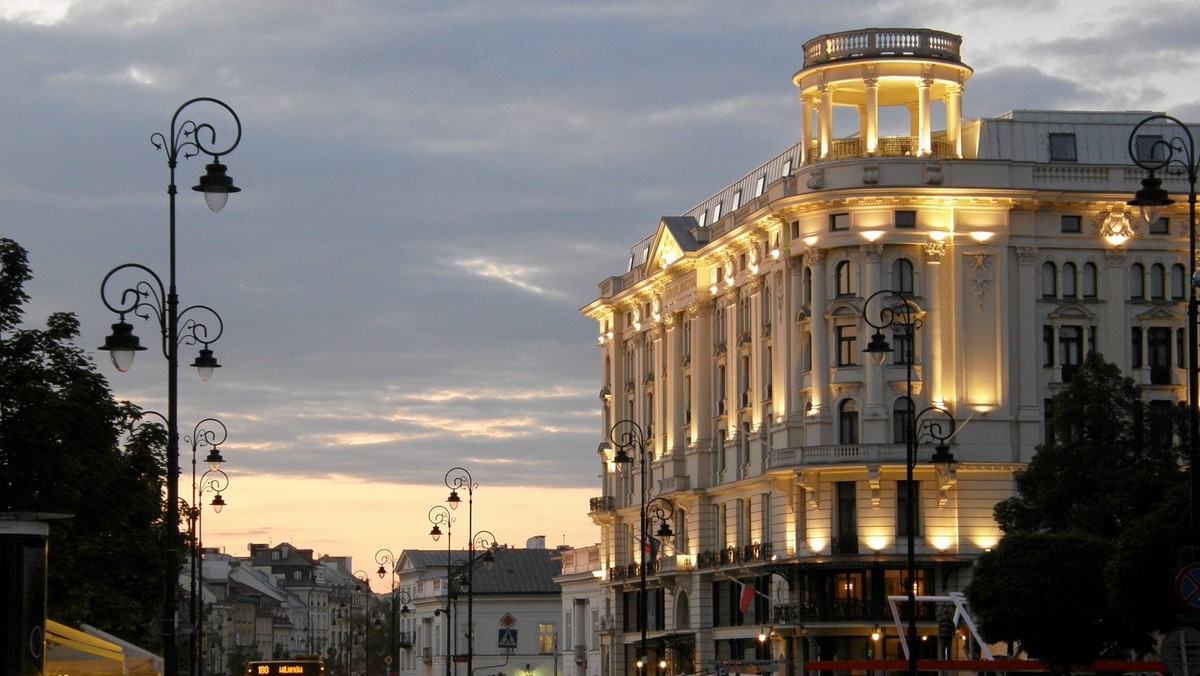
440	515
210	433
149	299
932	423
1150	150
459	478
627	436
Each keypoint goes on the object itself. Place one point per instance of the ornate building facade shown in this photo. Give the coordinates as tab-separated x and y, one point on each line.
733	349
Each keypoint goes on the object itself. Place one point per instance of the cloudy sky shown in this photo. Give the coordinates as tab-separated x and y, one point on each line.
431	191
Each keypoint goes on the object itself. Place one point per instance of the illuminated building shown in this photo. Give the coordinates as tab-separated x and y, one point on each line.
735	343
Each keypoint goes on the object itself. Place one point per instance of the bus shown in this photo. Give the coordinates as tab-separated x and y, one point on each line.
301	665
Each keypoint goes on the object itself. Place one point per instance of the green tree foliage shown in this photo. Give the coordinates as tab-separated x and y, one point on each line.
1092	534
1043	590
66	447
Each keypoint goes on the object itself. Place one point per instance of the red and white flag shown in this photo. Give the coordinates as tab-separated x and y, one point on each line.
745	598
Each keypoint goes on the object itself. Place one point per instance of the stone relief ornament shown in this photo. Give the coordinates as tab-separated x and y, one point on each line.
979	274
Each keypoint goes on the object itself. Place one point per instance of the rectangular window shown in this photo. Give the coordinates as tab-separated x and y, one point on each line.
1161	226
1071	224
546	638
908	493
760	186
1158	354
839	221
1047	345
704	218
717	212
787	167
906	219
903	350
846	541
1135	354
847	339
1062	148
1070	350
737	200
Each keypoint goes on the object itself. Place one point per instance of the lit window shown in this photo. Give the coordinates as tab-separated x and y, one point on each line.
847	339
546	639
1062	148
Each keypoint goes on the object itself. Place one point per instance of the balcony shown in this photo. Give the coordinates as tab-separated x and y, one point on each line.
844	610
839	454
888	146
885	43
604	503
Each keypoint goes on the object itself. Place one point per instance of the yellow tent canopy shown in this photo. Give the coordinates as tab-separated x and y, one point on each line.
70	651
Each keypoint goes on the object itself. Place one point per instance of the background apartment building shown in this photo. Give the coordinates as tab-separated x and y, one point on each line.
735	343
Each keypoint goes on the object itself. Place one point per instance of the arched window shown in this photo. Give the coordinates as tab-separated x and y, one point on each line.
1088	280
1067	280
848	422
1137	282
902	276
1158	282
844	274
1049	280
1177	284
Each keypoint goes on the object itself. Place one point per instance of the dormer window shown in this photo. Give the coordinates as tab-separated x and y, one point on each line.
1062	148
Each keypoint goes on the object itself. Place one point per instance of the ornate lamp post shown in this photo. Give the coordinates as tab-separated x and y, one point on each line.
456	478
364	585
148	298
932	423
210	433
627	436
438	515
384	557
1153	152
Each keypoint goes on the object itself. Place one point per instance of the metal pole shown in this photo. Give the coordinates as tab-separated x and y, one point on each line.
643	615
910	451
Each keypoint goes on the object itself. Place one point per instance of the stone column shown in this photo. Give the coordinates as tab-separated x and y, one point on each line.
872	114
825	120
924	144
954	118
806	107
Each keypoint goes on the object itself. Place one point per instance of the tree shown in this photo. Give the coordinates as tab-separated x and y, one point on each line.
1094	515
1044	590
67	446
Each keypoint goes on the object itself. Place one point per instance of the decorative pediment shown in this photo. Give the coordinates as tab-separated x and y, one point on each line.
673	241
1072	312
1160	313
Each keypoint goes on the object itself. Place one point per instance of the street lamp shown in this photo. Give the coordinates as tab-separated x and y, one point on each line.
384	557
438	515
364	585
215	481
627	436
147	298
456	478
934	422
1153	153
210	433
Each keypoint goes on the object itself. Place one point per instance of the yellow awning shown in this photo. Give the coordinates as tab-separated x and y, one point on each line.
70	651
